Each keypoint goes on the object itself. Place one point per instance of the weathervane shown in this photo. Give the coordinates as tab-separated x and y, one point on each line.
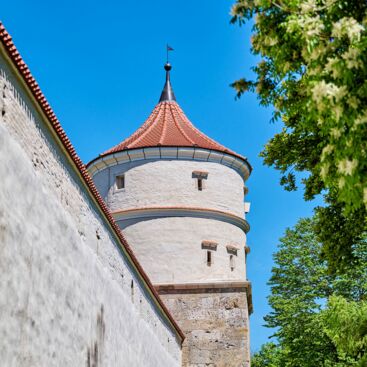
168	49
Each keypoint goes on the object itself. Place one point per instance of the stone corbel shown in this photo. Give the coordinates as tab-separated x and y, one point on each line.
200	174
209	245
232	248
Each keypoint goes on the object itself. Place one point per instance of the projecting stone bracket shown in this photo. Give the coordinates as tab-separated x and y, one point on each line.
200	174
209	245
232	249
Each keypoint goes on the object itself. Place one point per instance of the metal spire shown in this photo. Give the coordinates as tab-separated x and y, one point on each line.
167	93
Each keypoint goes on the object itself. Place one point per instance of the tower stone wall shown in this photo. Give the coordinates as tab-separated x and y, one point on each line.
178	196
172	249
215	321
171	245
172	226
171	182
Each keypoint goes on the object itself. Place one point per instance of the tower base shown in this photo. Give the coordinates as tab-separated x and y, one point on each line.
215	320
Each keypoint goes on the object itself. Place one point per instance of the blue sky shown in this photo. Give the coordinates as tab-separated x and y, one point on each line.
100	65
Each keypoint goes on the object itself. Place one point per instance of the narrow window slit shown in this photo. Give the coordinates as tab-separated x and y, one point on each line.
200	176
209	258
132	291
231	262
200	184
120	182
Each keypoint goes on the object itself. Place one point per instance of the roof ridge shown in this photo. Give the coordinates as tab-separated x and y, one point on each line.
137	134
164	127
154	116
180	129
201	134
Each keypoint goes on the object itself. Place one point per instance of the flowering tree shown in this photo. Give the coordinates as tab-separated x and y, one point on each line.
313	71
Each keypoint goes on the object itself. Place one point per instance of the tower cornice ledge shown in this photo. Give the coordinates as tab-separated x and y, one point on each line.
159	212
240	165
208	287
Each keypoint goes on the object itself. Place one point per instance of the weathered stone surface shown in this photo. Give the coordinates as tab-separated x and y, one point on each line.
216	326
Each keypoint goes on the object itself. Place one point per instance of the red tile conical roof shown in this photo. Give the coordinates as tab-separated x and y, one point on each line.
168	126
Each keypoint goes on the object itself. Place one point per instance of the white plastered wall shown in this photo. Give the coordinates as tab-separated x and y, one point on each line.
153	183
171	251
65	288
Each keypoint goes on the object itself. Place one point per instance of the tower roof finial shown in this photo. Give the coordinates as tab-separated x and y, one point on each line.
167	93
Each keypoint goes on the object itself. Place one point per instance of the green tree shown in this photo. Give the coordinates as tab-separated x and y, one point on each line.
301	286
268	356
313	71
346	325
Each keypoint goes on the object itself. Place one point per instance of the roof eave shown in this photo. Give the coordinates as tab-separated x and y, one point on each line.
230	153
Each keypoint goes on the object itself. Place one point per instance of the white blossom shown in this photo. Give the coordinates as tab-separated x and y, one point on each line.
354	30
329	3
308	6
330	90
361	119
337	112
270	41
326	151
346	166
353	101
332	67
314	71
336	133
315	53
310	26
349	27
324	170
313	26
319	91
351	58
340	93
341	182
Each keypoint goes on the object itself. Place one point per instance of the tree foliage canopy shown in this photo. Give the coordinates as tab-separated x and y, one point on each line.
320	319
313	71
345	322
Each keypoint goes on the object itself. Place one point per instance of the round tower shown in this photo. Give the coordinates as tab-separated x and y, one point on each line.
178	196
